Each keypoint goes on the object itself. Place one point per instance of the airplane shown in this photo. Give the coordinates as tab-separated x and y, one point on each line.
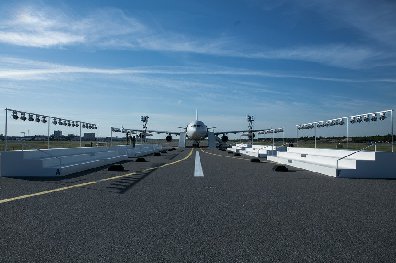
196	131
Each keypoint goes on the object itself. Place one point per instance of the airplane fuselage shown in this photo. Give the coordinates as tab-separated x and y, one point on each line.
197	131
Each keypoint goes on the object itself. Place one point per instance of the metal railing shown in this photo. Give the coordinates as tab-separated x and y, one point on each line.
358	151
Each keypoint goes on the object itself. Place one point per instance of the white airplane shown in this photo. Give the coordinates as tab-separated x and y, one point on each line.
196	131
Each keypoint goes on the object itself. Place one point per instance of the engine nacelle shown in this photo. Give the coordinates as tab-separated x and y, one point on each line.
224	138
168	138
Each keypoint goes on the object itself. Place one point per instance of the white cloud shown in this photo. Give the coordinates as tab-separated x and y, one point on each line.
112	29
24	69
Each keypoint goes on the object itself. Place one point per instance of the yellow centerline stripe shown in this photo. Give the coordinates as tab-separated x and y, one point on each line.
7	200
238	158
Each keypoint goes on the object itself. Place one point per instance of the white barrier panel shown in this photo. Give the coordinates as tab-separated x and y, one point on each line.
332	162
260	151
65	161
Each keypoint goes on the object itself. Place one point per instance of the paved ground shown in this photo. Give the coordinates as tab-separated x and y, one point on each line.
238	212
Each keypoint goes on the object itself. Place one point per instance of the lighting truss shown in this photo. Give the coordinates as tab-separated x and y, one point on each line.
322	124
374	116
366	117
46	119
371	116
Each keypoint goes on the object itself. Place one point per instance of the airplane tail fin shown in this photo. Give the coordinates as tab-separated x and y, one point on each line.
196	114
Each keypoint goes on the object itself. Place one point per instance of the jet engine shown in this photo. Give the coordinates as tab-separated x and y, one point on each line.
224	138
168	138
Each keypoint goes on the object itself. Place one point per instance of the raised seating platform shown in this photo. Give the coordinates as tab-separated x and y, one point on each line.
260	151
340	163
65	161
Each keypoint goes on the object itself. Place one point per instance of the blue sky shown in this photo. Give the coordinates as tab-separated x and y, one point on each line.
285	62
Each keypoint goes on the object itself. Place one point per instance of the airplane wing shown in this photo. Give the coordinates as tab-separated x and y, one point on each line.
124	130
240	131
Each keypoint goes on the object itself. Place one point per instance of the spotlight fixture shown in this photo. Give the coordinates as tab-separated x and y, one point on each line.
23	116
68	123
359	119
73	124
31	117
60	122
366	118
382	116
15	115
77	124
37	118
65	122
373	117
353	119
54	121
341	121
84	125
44	119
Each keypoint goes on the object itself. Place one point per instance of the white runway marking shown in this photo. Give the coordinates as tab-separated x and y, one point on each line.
198	167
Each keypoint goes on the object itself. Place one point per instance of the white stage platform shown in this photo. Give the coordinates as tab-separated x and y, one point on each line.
65	161
340	163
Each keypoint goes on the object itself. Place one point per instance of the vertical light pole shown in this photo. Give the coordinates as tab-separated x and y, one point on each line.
48	135
347	122
297	128
6	128
392	130
80	132
315	126
111	137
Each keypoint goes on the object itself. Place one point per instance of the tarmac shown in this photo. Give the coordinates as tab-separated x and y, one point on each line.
158	211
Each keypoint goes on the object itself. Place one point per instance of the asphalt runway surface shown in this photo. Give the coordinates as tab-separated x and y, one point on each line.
158	211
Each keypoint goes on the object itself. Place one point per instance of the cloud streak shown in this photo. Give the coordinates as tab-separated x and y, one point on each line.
24	69
111	28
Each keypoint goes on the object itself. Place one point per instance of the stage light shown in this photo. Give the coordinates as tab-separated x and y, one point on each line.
68	123
359	119
44	119
382	116
77	125
15	115
37	118
60	121
54	121
23	116
373	117
84	125
366	118
340	121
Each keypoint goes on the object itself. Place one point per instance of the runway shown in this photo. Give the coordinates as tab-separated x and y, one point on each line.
236	211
